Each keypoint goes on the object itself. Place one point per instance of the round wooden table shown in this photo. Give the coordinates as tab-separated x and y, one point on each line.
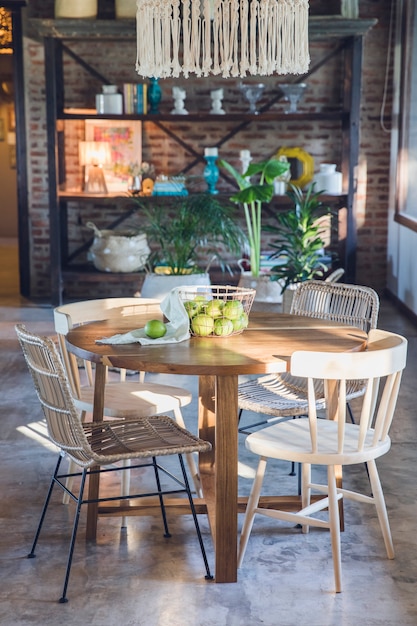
264	347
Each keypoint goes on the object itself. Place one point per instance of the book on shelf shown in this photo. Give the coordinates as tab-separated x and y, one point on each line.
135	98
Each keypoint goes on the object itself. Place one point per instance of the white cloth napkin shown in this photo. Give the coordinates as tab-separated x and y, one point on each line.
178	327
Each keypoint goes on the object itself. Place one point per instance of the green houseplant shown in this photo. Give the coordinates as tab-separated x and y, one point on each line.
252	195
182	232
190	226
299	243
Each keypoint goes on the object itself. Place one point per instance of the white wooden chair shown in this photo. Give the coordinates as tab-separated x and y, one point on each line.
102	444
281	395
123	399
334	441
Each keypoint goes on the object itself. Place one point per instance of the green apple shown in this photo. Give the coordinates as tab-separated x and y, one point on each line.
191	307
223	327
155	329
214	308
239	323
202	325
233	309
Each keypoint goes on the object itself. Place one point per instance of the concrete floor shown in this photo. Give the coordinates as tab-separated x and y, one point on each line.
138	578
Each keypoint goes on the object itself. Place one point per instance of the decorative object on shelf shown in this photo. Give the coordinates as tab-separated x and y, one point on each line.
93	156
209	37
293	92
301	165
216	102
245	159
170	186
154	96
125	140
328	179
179	96
110	101
252	93
125	9
76	8
299	246
134	185
281	182
217	310
251	196
118	250
138	174
211	171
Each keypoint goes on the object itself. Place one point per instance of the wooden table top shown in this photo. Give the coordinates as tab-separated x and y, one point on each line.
255	351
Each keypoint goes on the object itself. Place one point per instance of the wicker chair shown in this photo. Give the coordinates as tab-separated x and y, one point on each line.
123	399
334	441
283	395
93	445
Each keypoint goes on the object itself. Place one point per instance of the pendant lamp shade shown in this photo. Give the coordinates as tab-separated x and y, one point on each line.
221	37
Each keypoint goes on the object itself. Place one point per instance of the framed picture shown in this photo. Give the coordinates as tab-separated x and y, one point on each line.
125	139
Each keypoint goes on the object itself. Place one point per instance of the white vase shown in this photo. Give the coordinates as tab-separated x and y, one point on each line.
125	9
328	180
159	285
266	289
76	8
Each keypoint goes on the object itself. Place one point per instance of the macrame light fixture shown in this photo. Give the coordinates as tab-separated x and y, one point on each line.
227	37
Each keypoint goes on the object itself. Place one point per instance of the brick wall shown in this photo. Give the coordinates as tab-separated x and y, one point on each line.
322	140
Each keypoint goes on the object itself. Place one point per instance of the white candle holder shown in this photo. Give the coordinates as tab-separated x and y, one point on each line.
179	96
216	102
245	159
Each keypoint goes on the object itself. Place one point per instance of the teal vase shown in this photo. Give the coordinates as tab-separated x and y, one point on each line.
154	96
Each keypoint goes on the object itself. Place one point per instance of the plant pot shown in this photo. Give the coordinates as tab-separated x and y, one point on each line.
159	285
266	289
125	9
287	298
76	8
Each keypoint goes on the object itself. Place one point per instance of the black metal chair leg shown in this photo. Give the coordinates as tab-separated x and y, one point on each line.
63	598
194	514
161	499
32	554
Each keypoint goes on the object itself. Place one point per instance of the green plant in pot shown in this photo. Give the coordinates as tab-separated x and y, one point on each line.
299	243
252	195
183	231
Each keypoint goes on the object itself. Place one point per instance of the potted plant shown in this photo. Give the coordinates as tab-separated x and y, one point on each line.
299	246
181	234
252	195
256	188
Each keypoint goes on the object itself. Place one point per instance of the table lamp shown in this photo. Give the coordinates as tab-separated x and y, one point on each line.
93	155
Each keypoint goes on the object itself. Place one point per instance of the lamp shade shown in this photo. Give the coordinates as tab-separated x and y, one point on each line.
94	153
227	37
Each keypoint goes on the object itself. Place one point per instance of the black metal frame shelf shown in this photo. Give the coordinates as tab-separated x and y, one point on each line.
348	40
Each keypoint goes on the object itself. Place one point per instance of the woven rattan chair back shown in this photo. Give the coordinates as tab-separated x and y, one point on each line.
97	444
353	305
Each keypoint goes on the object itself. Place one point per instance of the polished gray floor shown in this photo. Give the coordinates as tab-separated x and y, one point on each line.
138	578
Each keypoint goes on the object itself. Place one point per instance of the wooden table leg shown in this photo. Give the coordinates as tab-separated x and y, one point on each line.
218	413
94	479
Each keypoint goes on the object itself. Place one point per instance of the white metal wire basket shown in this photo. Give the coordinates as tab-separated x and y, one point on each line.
217	310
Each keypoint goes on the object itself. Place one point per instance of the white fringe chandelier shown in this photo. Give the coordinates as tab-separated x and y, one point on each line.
227	37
